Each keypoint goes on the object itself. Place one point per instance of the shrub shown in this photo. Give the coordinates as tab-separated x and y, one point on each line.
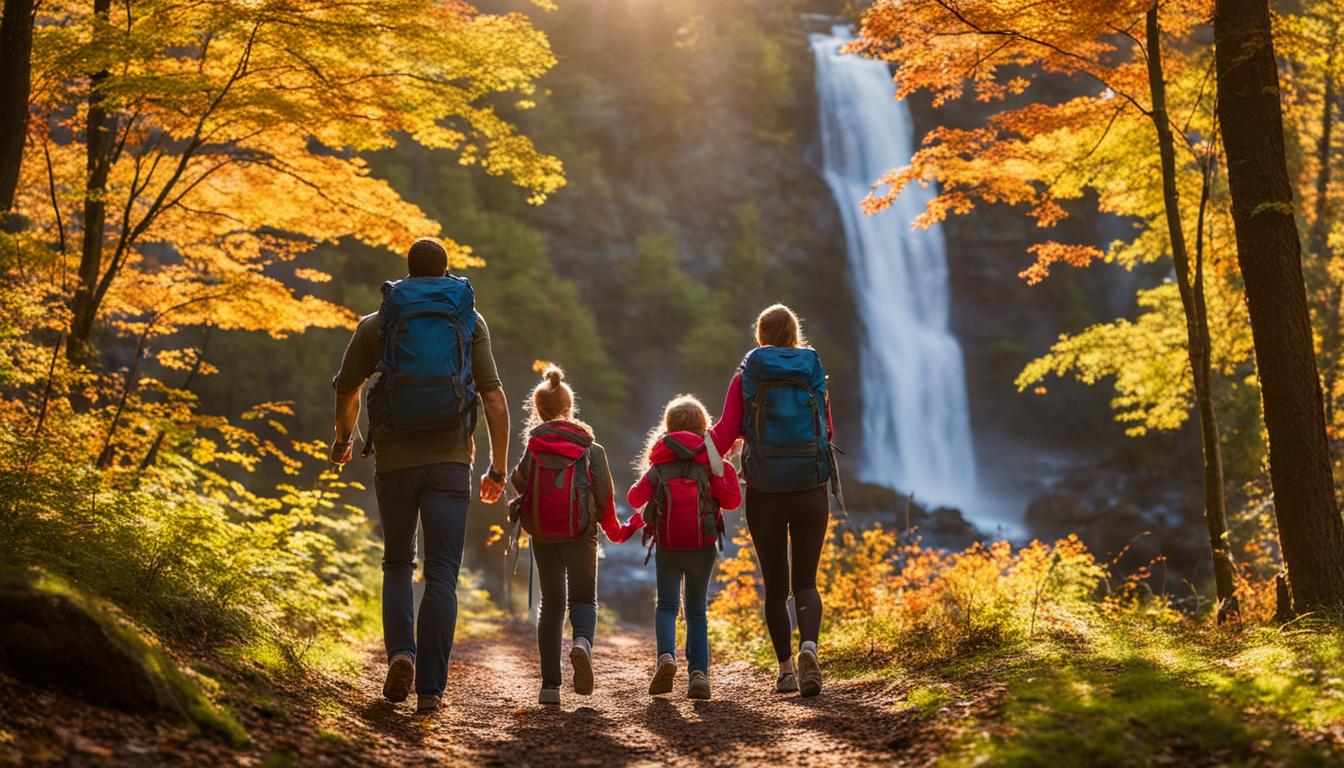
883	598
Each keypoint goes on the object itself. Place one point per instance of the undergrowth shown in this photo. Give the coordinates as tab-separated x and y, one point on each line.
1040	655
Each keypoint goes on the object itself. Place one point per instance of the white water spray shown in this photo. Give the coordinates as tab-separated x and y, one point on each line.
916	419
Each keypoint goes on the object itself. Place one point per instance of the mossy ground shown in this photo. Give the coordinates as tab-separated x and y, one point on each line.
1130	696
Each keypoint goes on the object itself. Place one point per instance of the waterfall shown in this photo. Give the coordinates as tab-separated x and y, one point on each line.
916	420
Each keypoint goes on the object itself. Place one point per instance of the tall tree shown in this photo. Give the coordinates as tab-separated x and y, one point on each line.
1118	140
1269	251
16	47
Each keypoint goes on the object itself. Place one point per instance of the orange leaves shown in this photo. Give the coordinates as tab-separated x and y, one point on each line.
1051	253
244	152
1036	157
994	45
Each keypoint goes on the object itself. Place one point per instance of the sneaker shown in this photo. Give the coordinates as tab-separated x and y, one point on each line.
699	685
581	658
400	678
427	704
549	696
787	682
662	677
809	673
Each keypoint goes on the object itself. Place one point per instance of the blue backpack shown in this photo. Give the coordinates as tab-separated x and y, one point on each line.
788	441
425	382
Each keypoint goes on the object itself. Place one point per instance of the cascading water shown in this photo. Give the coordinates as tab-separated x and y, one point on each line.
916	419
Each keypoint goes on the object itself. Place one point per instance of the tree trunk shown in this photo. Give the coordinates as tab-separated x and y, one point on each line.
98	162
16	47
1197	335
1311	533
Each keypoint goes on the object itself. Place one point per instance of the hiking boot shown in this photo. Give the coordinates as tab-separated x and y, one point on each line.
699	685
581	658
662	677
809	672
787	682
400	678
424	705
549	696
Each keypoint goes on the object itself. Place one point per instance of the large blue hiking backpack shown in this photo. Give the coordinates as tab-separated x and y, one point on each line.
425	383
788	440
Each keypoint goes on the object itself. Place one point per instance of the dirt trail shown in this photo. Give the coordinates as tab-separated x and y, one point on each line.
492	718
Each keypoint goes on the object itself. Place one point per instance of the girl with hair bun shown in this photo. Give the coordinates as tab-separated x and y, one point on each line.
565	494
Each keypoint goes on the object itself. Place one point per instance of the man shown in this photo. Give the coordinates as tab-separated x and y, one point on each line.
424	476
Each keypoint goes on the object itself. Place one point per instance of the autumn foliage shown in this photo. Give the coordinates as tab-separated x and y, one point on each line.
183	162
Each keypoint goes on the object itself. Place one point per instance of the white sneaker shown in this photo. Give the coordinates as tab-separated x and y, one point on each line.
809	672
581	658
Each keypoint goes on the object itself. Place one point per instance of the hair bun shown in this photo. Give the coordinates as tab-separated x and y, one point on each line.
553	374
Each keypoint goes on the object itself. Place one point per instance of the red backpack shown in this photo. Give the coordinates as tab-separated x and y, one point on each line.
683	513
556	502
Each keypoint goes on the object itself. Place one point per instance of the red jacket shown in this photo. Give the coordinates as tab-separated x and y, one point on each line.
725	490
604	490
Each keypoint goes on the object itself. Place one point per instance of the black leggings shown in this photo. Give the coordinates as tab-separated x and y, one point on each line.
572	563
779	522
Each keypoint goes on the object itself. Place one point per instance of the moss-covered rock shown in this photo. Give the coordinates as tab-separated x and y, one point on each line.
53	635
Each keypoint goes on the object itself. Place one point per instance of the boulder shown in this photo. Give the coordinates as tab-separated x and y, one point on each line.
52	635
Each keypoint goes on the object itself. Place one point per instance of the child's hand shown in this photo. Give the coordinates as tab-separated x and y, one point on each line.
628	530
737	446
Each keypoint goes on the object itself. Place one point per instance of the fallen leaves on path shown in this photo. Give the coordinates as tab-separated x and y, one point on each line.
491	717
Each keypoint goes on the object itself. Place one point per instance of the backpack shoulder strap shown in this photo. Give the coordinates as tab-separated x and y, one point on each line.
675	446
715	460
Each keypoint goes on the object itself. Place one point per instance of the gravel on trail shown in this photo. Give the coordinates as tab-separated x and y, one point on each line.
491	717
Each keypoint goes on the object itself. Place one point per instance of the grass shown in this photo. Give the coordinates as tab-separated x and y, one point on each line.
1122	696
928	699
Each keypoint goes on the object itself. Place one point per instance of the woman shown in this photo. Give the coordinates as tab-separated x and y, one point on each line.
774	404
561	452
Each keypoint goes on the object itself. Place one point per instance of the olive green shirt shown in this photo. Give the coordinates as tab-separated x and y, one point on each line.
392	451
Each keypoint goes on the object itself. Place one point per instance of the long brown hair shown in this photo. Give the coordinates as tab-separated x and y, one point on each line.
684	413
552	398
778	326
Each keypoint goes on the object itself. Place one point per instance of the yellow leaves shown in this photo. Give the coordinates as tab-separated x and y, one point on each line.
1148	358
312	275
243	153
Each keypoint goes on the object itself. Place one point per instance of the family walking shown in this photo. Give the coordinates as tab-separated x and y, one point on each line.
431	351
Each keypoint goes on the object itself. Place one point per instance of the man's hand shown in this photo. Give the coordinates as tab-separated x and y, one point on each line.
491	489
342	451
496	408
347	414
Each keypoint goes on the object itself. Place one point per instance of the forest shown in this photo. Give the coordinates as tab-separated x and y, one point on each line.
1075	270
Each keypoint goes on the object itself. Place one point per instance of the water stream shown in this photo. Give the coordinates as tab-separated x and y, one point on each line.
916	417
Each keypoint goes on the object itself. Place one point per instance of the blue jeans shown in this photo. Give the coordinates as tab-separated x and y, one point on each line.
693	567
436	495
